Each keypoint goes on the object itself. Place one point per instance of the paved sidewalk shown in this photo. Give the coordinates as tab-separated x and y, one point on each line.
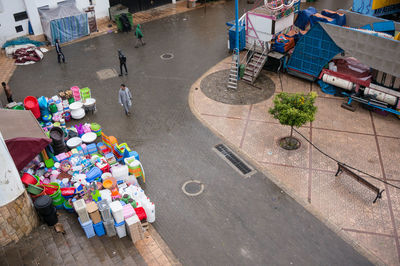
362	139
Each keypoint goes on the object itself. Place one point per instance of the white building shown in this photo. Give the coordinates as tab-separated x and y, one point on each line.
15	14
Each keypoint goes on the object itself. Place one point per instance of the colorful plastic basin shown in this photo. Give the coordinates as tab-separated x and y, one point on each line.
29	179
74	142
89	137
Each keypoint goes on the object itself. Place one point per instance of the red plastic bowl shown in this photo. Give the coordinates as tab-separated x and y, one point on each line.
28	179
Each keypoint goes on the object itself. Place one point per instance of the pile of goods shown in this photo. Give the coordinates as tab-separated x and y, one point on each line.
97	179
73	103
24	50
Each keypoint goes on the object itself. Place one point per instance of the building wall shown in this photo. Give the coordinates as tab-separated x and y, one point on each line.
9	7
7	22
17	214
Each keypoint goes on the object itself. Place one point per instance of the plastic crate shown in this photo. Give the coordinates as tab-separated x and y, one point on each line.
85	93
110	228
117	211
88	228
99	229
104	209
80	208
121	229
313	51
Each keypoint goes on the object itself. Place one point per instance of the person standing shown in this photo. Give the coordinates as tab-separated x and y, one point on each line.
122	62
8	92
125	99
139	36
59	52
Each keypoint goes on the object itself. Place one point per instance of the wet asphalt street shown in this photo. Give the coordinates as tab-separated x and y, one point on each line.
235	221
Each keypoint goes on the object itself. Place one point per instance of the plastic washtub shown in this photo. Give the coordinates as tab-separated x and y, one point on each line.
29	179
121	229
88	228
99	229
31	103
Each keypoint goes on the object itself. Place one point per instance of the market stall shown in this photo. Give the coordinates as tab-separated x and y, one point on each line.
65	22
84	170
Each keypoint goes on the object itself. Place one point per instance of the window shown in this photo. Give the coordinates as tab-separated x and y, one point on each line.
20	16
19	28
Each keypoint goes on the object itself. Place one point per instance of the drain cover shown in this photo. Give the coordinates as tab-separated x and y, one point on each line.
234	160
167	56
193	188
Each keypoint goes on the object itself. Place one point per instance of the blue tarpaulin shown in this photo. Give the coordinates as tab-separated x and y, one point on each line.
22	40
303	19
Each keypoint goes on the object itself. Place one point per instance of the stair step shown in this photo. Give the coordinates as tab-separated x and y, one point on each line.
231	87
232	83
254	64
249	73
247	78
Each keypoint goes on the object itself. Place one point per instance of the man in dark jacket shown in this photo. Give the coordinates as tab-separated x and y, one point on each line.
122	62
59	52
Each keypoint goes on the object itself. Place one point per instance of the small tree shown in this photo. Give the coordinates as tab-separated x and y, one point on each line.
294	110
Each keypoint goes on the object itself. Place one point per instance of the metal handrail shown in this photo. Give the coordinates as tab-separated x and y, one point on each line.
265	49
246	58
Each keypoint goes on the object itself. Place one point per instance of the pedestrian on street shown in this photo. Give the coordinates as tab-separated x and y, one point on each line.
59	52
139	36
8	92
125	99
122	62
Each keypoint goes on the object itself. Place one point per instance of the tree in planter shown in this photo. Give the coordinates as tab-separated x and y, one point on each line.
294	110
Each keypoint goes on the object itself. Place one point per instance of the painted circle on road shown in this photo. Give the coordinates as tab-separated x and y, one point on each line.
193	188
167	56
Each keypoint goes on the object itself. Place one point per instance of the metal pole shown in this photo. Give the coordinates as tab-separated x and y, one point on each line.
237	33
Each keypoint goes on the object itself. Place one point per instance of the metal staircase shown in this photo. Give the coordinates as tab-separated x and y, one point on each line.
254	65
233	73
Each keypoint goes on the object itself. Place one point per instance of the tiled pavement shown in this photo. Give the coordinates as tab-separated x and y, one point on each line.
46	247
362	139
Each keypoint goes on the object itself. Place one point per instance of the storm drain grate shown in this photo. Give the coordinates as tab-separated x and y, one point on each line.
234	160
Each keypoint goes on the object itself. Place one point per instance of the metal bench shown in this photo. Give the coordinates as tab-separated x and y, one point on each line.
343	168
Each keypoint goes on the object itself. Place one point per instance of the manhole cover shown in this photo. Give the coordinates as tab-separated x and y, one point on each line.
167	56
193	188
106	73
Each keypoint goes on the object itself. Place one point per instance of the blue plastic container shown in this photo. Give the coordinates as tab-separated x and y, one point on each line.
88	228
93	174
232	37
99	229
135	154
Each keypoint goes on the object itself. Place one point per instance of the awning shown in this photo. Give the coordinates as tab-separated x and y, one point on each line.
23	135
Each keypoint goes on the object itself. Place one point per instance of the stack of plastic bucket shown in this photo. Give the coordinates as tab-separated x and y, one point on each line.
58	199
76	93
45	208
31	103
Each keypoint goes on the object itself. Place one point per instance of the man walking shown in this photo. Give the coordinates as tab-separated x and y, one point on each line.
59	52
139	36
8	92
122	62
125	98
